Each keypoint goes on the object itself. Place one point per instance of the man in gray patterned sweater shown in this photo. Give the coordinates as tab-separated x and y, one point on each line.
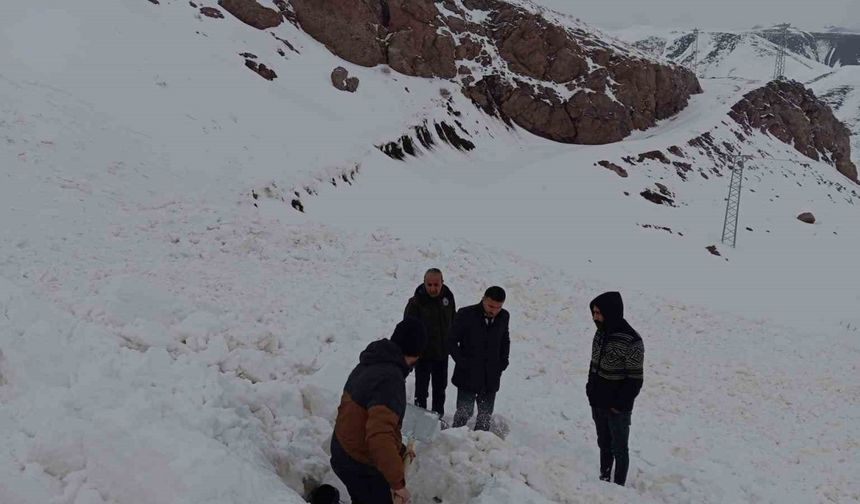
614	381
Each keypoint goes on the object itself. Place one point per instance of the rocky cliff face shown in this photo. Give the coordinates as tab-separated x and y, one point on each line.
792	113
561	82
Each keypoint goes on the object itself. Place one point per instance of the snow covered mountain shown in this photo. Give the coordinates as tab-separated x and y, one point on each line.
833	47
723	54
730	53
203	227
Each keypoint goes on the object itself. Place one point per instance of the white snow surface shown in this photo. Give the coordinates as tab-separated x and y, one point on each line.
167	338
722	53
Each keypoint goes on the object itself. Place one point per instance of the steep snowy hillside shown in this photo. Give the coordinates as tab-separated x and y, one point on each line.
841	91
202	231
722	54
833	48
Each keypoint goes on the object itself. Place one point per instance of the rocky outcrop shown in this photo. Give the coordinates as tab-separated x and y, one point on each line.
663	196
614	167
341	80
252	13
401	33
792	113
211	12
560	82
261	70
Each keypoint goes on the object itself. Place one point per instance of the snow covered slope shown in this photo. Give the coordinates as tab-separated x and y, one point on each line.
173	330
722	54
834	47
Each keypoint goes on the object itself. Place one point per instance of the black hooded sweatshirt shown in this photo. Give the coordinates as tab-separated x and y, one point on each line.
617	358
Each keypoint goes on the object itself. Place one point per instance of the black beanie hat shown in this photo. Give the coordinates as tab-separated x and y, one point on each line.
411	336
325	494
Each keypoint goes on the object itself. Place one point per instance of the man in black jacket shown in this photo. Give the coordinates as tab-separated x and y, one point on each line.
433	304
614	381
480	344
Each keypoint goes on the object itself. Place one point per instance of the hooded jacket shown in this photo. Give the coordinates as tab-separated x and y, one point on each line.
437	314
367	435
617	358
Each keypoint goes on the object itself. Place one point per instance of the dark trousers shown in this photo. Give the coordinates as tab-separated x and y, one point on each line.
466	407
438	371
365	484
613	430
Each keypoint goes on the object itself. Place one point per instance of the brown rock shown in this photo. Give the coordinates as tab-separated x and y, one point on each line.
655	155
676	151
806	217
351	29
261	69
657	198
792	114
211	12
341	80
415	46
614	167
468	49
413	38
252	13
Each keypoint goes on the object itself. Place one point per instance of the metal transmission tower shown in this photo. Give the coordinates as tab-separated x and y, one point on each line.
733	203
694	65
782	40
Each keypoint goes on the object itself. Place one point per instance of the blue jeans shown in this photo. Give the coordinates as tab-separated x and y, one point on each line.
466	407
613	430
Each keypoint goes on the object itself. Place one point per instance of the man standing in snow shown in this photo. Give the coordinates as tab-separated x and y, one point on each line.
367	450
614	381
480	344
433	304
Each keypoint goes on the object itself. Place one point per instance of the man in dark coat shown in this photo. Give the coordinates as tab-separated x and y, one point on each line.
367	449
614	381
480	344
433	303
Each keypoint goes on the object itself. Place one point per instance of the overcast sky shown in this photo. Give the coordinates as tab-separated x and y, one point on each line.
711	14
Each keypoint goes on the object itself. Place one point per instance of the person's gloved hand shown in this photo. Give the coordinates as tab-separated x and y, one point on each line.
401	496
410	454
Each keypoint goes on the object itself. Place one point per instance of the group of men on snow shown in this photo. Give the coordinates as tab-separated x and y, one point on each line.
367	452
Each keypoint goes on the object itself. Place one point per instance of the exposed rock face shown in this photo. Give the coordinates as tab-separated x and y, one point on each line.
562	83
792	113
401	33
252	13
806	217
341	80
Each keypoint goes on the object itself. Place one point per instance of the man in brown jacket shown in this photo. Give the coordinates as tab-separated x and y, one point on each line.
367	449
